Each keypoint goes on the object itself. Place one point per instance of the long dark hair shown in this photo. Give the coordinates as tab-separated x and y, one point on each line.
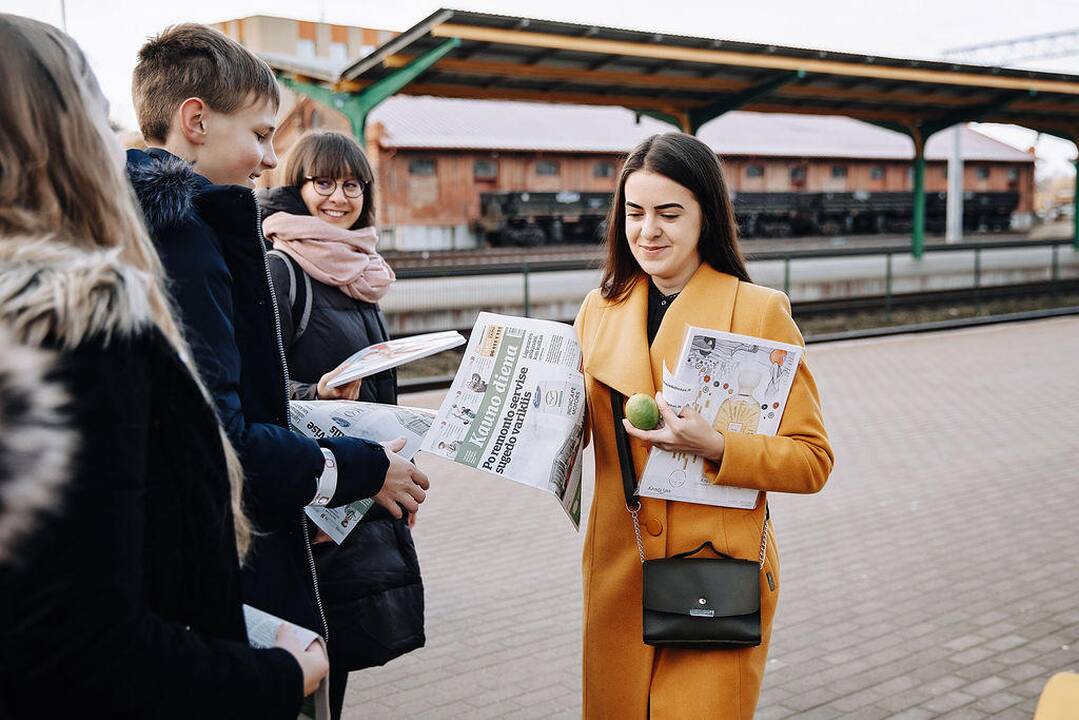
692	164
326	153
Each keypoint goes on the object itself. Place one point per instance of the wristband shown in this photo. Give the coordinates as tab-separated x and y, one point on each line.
327	481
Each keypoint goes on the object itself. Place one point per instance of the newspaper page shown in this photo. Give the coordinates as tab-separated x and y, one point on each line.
516	407
736	382
262	632
370	421
392	353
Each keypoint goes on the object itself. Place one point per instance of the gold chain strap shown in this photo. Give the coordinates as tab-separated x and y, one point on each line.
635	512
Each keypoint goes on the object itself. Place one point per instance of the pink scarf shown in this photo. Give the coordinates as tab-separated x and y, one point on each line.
345	259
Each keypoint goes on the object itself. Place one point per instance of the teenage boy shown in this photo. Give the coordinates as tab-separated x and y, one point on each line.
206	107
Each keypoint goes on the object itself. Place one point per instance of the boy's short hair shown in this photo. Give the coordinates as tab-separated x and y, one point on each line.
192	60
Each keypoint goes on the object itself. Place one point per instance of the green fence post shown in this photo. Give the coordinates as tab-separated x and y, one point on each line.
528	304
917	232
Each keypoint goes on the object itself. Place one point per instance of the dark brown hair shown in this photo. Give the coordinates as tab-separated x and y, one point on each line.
326	153
191	60
692	164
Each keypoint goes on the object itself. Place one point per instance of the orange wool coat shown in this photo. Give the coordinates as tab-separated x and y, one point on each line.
625	679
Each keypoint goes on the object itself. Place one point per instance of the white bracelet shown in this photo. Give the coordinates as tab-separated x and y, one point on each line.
327	481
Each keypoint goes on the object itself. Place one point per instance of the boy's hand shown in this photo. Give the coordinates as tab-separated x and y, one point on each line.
350	391
403	489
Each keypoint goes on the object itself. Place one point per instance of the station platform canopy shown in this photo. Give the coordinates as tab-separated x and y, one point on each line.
685	81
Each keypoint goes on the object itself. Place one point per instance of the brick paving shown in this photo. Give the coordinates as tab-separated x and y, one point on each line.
936	575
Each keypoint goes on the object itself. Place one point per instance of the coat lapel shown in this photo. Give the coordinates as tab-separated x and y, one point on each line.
620	356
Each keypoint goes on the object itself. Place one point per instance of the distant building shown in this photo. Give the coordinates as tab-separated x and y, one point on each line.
434	157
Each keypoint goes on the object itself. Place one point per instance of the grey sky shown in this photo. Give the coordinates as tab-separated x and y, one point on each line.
111	32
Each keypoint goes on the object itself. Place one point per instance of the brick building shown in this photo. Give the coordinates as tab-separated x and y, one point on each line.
434	157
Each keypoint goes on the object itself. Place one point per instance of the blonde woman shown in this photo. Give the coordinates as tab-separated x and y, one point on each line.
125	602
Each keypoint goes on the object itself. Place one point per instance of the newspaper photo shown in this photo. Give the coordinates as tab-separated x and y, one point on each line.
516	407
392	353
262	633
736	382
370	421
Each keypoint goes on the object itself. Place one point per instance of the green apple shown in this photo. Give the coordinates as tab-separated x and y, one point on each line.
642	412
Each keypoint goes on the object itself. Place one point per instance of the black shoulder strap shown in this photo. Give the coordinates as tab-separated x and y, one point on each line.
629	474
299	294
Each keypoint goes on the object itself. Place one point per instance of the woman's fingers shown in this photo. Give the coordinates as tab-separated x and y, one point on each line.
665	411
663	434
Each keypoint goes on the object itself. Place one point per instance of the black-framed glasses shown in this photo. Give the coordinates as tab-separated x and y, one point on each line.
326	186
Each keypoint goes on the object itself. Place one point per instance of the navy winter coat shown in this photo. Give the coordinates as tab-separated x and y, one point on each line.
210	240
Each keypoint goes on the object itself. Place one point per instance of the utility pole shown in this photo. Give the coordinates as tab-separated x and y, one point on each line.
954	231
63	16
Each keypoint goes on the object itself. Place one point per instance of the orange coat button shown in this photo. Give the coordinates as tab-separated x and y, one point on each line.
654	527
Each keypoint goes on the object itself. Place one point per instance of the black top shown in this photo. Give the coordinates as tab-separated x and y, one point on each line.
657	308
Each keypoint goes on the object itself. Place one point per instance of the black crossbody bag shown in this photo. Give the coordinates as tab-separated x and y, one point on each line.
692	602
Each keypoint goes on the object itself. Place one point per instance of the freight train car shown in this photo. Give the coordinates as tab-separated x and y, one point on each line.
537	218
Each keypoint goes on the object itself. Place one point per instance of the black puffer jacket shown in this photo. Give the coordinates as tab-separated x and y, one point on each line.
338	325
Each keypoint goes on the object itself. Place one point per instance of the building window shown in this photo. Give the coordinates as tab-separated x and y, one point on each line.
754	171
305	48
798	174
839	171
1013	174
877	172
547	167
339	52
603	170
485	169
421	166
982	172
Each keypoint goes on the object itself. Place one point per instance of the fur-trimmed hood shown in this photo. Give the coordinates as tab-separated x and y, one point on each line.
54	291
36	445
165	185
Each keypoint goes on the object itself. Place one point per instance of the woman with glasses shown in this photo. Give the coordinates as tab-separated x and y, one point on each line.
328	279
327	275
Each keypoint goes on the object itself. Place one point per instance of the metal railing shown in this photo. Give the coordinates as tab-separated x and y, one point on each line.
528	268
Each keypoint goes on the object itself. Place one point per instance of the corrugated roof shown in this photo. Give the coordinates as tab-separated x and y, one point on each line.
443	123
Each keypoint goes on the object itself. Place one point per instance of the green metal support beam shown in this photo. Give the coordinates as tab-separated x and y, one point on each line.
691	121
917	230
699	116
357	105
661	116
931	126
1075	210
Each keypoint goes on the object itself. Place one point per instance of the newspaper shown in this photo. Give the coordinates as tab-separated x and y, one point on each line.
736	382
516	407
262	633
383	356
371	421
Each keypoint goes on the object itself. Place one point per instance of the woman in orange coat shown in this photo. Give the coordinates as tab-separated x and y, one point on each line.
673	260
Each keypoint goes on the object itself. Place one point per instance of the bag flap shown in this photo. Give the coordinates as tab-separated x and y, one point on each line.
702	587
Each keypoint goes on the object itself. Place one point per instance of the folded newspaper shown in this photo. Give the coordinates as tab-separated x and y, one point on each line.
736	382
516	407
370	421
383	356
262	633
